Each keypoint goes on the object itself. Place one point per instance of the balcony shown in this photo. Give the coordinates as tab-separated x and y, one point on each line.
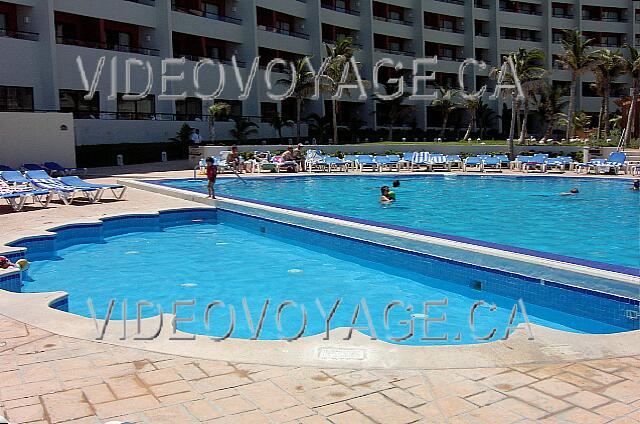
145	2
458	2
207	15
565	15
108	46
393	21
521	11
445	29
19	35
393	51
481	4
332	42
530	38
284	31
340	9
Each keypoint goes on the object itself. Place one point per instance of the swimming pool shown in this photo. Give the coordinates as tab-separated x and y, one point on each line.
219	255
600	224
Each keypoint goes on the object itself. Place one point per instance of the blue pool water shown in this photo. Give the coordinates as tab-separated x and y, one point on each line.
208	261
600	224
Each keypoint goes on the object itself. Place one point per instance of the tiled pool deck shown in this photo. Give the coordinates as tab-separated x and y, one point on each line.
46	377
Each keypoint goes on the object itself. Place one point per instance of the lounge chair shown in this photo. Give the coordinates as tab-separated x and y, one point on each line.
312	159
491	163
439	161
615	163
589	166
351	161
117	190
384	162
335	163
66	193
54	168
17	196
419	159
15	178
504	161
559	164
472	162
32	167
405	161
519	162
535	163
286	165
454	161
366	161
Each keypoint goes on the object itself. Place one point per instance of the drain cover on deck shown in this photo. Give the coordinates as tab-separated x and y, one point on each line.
338	354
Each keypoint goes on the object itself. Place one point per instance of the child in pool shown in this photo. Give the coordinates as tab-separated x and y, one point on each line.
392	194
212	174
385	196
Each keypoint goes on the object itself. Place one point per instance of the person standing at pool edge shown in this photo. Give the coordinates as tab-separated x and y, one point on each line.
212	174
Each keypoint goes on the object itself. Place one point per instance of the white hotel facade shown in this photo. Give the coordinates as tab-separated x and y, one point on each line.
40	40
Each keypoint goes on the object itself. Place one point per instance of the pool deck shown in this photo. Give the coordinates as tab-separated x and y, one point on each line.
52	371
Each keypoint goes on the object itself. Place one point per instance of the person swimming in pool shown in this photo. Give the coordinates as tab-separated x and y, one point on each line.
385	197
571	192
636	185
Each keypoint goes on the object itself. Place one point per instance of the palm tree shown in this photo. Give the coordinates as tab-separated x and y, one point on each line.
471	103
395	110
551	106
339	55
485	117
303	88
633	68
611	65
243	129
319	125
279	123
529	66
578	59
447	104
217	111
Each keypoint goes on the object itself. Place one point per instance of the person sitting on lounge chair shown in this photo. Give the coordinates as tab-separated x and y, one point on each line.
288	155
299	157
234	160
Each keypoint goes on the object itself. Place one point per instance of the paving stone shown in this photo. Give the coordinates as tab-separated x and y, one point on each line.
403	397
508	381
615	410
350	417
381	409
24	414
625	392
334	408
252	417
171	388
579	415
126	406
593	374
153	378
555	387
168	415
99	393
234	405
445	408
587	400
29	389
539	399
520	408
180	398
203	410
219	382
291	414
65	406
267	396
486	398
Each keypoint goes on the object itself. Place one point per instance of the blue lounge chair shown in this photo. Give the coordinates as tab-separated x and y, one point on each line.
472	162
616	162
504	161
351	161
32	167
438	160
14	177
405	161
117	190
454	161
366	161
491	163
66	193
535	163
419	159
588	166
384	162
17	197
55	168
335	163
560	164
520	161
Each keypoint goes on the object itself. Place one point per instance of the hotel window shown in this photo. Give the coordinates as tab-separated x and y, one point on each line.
137	109
16	99
395	15
214	52
64	32
341	5
189	109
394	46
118	40
211	10
73	101
3	23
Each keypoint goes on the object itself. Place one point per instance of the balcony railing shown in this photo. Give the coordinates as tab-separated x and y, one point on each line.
445	29
604	19
452	58
393	21
482	34
207	15
391	51
20	35
330	41
522	12
532	38
608	44
198	58
108	46
340	9
284	31
481	5
145	2
460	2
563	15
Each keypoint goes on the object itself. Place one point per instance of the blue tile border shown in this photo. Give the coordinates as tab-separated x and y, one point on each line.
512	249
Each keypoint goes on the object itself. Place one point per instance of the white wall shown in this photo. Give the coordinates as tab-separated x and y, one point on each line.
36	138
